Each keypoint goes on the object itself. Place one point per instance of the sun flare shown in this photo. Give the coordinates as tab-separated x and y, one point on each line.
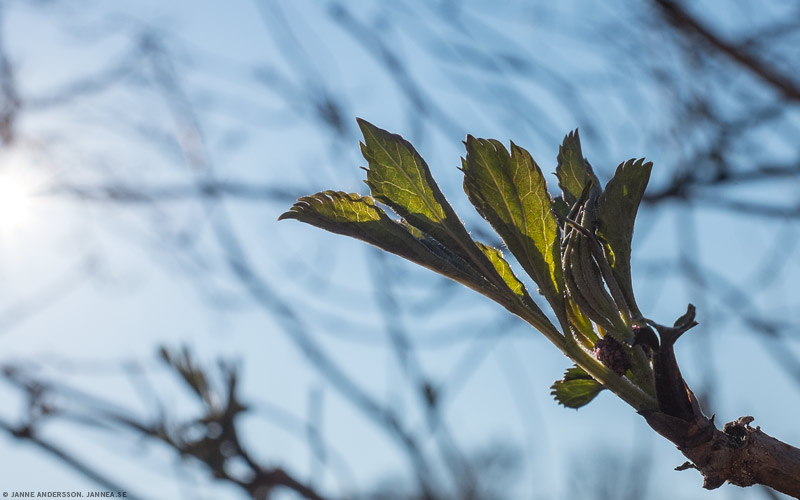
15	201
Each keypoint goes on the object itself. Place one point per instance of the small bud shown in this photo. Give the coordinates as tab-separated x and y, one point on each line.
609	351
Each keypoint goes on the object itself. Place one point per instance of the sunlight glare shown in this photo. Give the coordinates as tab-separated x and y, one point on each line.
14	203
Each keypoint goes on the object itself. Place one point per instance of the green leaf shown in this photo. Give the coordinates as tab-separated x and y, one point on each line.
585	284
399	178
515	285
352	215
571	170
581	324
510	192
560	208
357	216
576	389
616	213
495	256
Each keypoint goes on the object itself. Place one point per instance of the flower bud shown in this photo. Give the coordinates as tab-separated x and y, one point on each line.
610	352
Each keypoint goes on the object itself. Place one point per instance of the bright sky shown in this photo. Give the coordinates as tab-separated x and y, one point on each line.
144	289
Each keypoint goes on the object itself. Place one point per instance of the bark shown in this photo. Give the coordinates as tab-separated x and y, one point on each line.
739	453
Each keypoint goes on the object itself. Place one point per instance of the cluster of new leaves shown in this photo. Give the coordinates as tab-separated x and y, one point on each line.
576	247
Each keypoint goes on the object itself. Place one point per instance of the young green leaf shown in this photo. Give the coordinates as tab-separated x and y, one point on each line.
515	285
495	256
571	170
510	192
585	286
560	209
353	215
581	324
399	178
616	213
357	216
576	389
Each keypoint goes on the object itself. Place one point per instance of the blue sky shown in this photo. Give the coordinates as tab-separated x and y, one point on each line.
251	103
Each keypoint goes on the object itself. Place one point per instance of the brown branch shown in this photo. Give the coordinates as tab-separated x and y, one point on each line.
739	454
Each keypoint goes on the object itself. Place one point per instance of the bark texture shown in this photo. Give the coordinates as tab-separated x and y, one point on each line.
739	454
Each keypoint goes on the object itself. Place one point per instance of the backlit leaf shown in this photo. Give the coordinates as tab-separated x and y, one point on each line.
399	178
571	169
560	209
504	270
357	216
576	389
616	213
510	192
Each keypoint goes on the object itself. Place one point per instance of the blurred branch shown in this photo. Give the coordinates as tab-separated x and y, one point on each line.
377	46
751	208
423	388
9	97
267	299
685	22
28	434
690	184
739	303
259	289
130	194
216	446
327	106
19	311
86	87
